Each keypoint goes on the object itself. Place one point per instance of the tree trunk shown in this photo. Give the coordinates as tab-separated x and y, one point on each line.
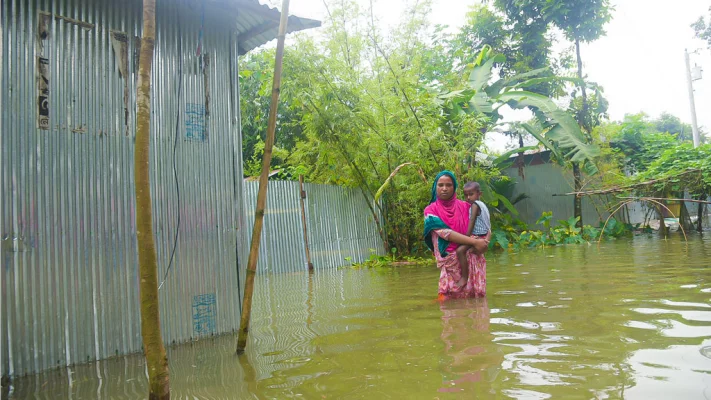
662	226
684	217
153	347
263	181
582	121
577	200
583	117
521	159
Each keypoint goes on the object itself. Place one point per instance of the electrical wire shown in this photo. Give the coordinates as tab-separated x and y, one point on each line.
175	147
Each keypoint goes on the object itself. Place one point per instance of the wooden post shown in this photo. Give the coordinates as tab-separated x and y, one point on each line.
662	225
153	348
684	217
700	214
302	196
263	180
578	200
310	303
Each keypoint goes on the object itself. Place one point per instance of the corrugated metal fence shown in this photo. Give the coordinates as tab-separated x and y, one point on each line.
69	266
340	226
544	179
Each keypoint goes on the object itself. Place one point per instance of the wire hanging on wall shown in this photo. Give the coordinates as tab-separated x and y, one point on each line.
175	148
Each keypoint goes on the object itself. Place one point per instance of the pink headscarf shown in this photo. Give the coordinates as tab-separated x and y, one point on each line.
454	213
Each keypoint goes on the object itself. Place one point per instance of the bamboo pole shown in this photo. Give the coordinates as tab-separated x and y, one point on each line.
618	189
665	199
153	348
263	180
302	196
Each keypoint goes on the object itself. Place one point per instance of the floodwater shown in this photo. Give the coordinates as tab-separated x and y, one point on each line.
629	319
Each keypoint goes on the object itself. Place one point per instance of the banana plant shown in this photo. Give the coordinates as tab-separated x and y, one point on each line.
556	129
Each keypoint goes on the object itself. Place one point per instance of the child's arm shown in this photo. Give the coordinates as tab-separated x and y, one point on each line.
472	219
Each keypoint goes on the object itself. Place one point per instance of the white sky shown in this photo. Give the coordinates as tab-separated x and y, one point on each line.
640	63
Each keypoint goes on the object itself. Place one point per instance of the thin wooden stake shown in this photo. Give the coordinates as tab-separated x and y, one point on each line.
263	180
302	196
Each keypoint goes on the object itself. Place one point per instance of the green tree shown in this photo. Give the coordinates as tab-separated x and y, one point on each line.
483	27
702	30
256	72
525	44
638	142
370	102
359	103
530	30
581	21
672	124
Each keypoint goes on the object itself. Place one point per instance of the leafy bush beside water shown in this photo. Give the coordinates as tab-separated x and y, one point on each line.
514	234
510	233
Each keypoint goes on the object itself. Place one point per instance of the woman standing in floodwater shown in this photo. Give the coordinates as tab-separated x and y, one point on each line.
446	221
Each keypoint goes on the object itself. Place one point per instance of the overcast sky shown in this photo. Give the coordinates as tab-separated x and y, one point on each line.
640	63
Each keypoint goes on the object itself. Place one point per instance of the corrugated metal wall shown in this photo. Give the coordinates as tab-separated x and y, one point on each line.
69	266
544	180
340	226
541	182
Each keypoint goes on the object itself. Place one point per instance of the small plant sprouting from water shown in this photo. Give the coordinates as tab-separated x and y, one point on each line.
385	261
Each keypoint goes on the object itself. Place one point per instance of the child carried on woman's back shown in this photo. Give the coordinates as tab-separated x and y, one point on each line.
479	227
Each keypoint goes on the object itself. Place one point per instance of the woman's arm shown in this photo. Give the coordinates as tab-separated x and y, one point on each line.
480	245
458	238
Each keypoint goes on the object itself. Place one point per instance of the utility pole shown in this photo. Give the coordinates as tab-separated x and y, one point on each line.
690	81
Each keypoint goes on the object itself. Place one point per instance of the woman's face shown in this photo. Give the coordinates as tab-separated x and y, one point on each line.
445	188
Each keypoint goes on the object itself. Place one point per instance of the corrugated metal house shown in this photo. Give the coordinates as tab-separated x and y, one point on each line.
543	178
68	262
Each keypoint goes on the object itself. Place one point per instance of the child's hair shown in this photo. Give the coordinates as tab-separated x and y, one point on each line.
472	186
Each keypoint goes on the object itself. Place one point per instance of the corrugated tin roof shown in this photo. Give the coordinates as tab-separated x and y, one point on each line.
259	23
531	152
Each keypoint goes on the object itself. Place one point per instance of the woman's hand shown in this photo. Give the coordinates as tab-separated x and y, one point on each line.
481	245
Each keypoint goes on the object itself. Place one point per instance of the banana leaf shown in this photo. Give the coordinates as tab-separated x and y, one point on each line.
566	132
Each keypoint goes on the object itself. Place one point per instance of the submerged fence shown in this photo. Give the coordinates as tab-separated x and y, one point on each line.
339	225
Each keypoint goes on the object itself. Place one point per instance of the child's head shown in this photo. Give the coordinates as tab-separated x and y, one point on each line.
472	192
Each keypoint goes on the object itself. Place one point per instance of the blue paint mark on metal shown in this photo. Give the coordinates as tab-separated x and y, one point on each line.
204	314
195	128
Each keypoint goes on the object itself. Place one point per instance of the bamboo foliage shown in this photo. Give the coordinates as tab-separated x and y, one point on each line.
263	181
153	348
385	185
